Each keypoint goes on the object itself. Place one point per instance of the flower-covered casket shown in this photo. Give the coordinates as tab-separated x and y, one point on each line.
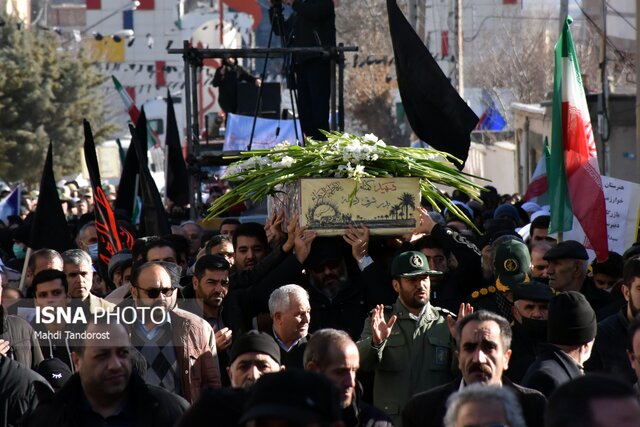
347	179
325	205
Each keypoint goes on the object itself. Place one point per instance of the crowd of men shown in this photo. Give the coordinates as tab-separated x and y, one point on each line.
269	324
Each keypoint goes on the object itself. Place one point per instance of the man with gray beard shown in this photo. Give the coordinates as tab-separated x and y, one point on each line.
344	287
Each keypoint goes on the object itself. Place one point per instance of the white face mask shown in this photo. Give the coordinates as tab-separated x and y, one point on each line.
93	251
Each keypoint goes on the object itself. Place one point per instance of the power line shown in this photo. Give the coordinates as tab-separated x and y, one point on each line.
620	15
619	52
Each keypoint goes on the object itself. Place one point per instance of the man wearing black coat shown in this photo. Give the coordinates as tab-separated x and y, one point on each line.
226	79
483	339
571	330
343	288
609	350
312	24
105	390
21	389
530	312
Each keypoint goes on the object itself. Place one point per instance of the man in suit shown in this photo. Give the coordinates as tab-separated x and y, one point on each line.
483	352
290	311
571	331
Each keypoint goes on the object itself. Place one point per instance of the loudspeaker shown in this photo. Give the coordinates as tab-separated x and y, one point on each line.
248	95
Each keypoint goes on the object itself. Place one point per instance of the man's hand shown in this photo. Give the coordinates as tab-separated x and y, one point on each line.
4	347
258	82
425	223
291	233
273	228
302	245
380	329
358	238
223	339
464	310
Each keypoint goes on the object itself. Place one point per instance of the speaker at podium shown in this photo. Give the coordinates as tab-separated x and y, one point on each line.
269	105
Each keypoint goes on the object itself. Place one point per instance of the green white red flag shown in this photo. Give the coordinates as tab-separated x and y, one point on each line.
152	137
537	191
575	186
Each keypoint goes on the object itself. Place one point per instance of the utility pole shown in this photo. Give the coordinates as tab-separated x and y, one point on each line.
413	14
637	153
564	11
459	47
603	99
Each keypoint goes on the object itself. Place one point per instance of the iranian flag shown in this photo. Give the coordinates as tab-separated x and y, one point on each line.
537	191
152	137
575	186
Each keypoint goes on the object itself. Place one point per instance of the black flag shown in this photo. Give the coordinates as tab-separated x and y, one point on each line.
127	185
49	228
177	187
153	217
111	237
436	112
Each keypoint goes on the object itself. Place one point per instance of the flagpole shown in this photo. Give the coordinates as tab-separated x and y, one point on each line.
23	276
460	47
166	172
135	198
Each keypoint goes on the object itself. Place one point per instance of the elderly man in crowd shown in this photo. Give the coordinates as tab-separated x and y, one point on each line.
333	353
571	332
483	405
291	314
484	340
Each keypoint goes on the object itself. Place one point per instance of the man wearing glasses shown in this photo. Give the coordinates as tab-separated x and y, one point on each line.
179	347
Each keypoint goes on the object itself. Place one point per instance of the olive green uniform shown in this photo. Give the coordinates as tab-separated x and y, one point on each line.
416	357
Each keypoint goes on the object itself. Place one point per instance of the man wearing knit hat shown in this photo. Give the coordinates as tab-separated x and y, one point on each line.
571	330
252	355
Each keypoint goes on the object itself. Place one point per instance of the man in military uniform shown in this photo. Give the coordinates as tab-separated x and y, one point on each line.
511	265
415	354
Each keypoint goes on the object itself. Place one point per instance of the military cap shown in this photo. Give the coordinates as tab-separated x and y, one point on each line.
512	263
410	264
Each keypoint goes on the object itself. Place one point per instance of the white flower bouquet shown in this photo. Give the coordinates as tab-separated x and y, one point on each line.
260	173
